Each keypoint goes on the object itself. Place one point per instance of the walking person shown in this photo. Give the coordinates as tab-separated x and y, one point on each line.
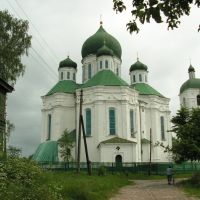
169	173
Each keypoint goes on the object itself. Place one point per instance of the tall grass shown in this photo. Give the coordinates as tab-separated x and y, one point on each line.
84	187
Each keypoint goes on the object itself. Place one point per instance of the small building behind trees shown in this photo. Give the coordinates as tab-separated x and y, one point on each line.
4	89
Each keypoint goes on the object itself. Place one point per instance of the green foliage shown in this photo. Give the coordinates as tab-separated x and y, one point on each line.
14	152
101	171
22	179
192	185
84	187
66	143
186	125
169	11
14	43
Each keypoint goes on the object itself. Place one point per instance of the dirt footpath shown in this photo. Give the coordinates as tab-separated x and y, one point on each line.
151	190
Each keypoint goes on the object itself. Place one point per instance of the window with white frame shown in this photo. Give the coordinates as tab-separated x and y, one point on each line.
88	121
162	127
112	123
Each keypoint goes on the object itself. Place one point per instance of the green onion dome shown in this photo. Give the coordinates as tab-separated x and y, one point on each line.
67	63
193	83
104	51
96	41
191	69
138	66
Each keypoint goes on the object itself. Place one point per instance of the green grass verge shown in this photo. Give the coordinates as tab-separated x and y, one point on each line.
192	191
191	185
72	186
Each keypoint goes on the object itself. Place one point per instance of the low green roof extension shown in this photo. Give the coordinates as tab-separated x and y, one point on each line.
145	89
46	152
64	86
115	140
191	83
105	78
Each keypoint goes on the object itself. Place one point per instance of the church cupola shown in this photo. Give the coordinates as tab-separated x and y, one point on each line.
105	58
100	51
67	70
138	73
191	72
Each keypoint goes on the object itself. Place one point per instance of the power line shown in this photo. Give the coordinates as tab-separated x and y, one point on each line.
42	68
46	64
36	30
35	51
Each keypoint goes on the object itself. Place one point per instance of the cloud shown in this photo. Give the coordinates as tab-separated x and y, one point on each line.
65	25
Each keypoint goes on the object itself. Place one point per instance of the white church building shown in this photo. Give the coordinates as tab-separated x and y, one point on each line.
118	116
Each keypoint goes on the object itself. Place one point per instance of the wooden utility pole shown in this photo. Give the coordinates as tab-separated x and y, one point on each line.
79	133
82	128
86	149
150	153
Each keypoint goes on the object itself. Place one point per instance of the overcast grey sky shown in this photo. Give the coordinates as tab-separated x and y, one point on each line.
65	25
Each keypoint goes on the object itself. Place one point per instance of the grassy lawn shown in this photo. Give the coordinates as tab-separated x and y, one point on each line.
192	191
192	185
72	186
83	187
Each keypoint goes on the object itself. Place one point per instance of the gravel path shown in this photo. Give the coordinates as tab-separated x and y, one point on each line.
151	190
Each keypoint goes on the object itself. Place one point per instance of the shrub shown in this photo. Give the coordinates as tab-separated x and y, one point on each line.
22	179
195	179
102	171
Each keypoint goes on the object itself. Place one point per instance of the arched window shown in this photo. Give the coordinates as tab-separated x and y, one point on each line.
101	64
61	76
117	71
162	128
68	75
184	102
112	129
88	121
198	100
106	64
134	78
132	124
145	78
74	76
49	127
89	71
140	77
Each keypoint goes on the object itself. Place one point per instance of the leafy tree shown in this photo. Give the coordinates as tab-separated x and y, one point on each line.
186	125
169	11
14	152
66	143
14	43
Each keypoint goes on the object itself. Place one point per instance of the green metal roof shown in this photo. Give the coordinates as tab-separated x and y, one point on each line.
145	89
96	41
115	140
190	83
145	141
67	63
138	66
106	78
105	51
46	152
72	135
64	86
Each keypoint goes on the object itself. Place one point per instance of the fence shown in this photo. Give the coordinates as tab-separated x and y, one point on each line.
142	168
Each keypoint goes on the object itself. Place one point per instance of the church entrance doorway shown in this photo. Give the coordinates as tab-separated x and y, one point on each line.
118	161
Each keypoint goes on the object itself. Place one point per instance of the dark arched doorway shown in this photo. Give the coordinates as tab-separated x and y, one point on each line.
118	161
